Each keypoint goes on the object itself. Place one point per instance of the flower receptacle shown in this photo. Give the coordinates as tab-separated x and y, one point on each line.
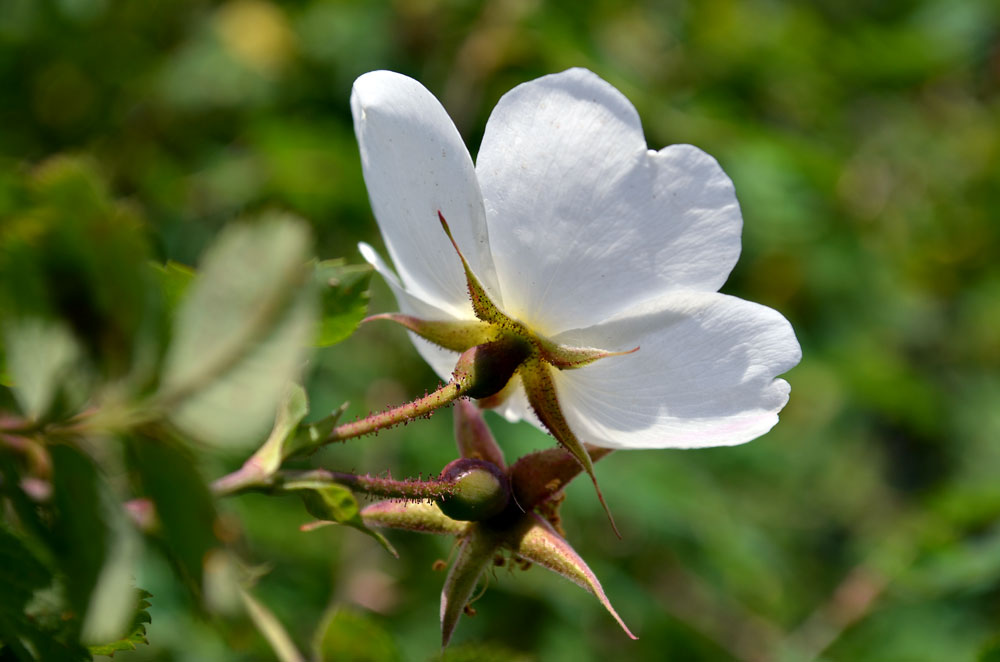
484	370
481	490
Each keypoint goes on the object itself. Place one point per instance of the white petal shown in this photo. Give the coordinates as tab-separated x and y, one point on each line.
441	360
584	220
415	164
704	374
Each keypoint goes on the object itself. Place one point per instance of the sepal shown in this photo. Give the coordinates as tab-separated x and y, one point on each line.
475	553
539	543
473	436
537	477
456	335
422	516
541	393
568	358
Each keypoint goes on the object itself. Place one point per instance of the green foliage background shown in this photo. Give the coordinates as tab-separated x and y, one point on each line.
863	141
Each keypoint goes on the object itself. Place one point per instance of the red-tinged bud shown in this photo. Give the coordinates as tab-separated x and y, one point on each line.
473	435
484	370
481	490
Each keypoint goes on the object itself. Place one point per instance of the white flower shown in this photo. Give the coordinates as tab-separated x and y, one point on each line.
588	238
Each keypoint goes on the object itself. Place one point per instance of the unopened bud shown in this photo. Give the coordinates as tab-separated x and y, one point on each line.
480	492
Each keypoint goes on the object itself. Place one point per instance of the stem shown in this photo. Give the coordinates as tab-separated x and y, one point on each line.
416	490
37	457
421	407
246	479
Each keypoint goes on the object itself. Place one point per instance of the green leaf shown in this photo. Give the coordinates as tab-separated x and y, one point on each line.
42	354
272	629
175	278
344	299
293	409
113	599
334	503
347	634
311	436
79	531
990	652
136	633
183	504
241	332
21	574
484	652
94	546
75	257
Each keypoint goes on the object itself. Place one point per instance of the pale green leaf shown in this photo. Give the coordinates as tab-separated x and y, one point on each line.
241	332
293	409
40	355
136	633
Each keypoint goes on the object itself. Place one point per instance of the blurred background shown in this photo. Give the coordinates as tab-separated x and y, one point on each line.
863	141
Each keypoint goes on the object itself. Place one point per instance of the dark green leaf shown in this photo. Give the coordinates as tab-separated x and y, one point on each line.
175	278
347	634
79	532
241	332
334	503
21	574
345	299
481	652
184	505
990	652
93	544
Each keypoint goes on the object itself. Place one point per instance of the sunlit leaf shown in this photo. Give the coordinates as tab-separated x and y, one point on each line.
334	503
292	410
345	296
136	633
42	354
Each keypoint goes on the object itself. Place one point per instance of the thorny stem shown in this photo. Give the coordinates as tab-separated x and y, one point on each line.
388	487
421	407
416	490
253	476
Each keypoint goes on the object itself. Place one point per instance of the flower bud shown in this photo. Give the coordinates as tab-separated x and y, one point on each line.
481	490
